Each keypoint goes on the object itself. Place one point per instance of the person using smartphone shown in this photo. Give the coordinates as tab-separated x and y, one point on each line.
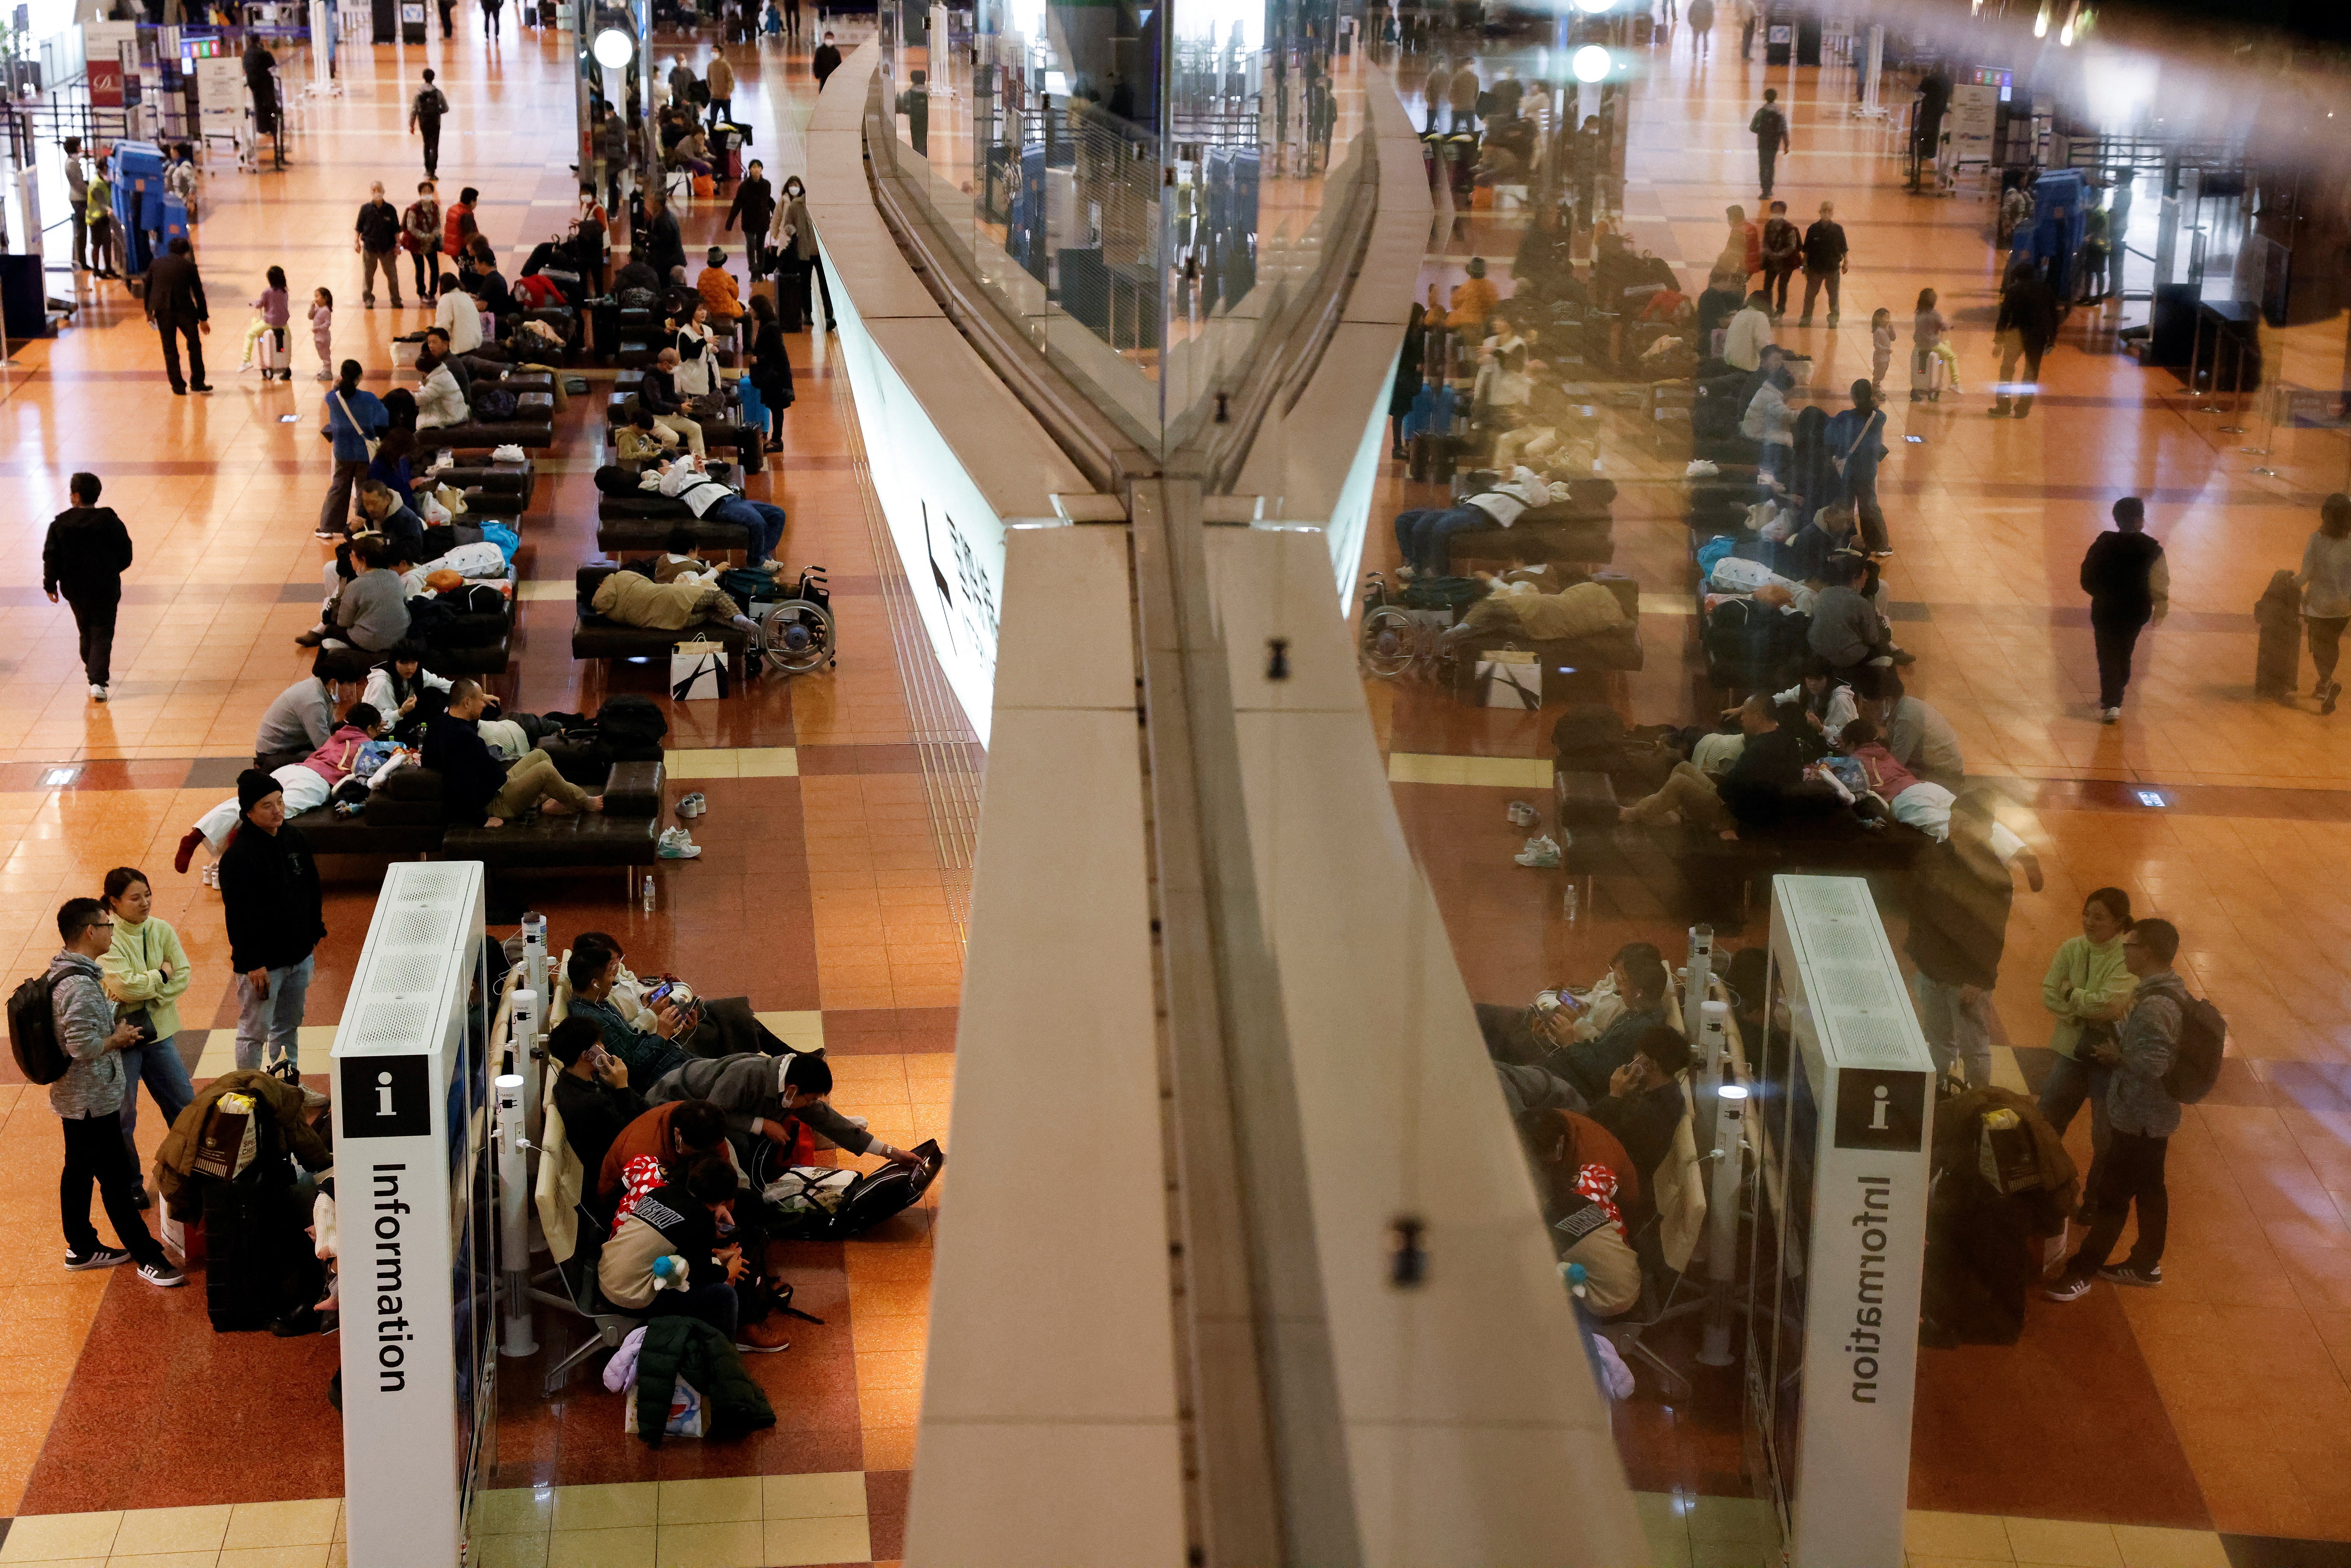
592	1095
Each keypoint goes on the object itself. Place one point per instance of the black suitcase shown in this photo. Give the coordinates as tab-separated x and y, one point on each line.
258	1263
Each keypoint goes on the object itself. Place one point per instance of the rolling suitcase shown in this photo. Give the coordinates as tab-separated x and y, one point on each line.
258	1263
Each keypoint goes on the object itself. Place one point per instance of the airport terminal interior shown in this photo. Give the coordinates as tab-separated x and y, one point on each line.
2181	264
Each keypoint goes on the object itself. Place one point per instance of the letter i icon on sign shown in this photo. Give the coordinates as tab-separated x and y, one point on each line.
1877	1109
384	1098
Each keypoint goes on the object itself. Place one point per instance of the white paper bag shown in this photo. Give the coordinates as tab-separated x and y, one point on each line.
1511	678
696	671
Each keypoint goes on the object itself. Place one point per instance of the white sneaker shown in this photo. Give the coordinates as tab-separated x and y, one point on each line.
97	691
677	845
1541	853
212	873
2110	715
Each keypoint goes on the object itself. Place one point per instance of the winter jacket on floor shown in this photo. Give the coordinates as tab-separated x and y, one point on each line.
685	1347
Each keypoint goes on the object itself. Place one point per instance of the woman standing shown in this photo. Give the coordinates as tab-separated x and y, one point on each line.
146	971
770	369
2087	990
795	238
697	373
2325	583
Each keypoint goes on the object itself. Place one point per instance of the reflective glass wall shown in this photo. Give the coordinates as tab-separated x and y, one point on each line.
1140	187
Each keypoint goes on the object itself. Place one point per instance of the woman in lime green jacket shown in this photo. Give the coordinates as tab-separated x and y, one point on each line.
146	971
2087	990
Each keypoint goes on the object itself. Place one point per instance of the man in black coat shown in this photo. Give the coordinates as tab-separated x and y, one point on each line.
755	203
1824	262
825	61
275	910
2026	327
175	304
84	557
2129	585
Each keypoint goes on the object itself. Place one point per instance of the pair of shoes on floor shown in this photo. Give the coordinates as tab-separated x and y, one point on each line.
1541	853
163	1276
693	805
677	844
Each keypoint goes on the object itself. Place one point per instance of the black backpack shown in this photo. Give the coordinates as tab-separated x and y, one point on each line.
2195	1064
494	404
33	1031
630	724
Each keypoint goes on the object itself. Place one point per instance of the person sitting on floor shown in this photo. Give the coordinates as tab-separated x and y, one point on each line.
592	1094
1645	1105
772	1098
481	789
1586	1182
307	784
674	1231
655	1148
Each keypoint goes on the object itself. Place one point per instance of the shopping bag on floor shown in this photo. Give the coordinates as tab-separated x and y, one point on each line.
1511	678
697	670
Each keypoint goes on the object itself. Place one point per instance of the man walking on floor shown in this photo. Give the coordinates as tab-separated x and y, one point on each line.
1770	128
175	304
2026	326
424	112
273	906
88	1100
2129	585
2141	1114
83	557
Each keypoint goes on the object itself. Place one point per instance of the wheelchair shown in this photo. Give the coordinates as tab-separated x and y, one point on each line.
1396	640
796	632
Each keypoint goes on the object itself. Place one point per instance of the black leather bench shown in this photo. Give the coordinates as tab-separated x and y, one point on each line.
595	636
406	816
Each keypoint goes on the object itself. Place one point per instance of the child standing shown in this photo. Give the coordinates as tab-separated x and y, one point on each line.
271	312
322	329
1927	330
1881	347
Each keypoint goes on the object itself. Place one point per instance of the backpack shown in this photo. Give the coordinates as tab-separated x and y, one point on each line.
630	722
2195	1065
33	1031
474	599
494	404
429	619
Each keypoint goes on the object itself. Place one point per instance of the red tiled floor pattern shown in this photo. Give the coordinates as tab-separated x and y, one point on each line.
821	893
2149	1407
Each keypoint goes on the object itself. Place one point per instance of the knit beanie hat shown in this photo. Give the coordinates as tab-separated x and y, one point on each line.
253	787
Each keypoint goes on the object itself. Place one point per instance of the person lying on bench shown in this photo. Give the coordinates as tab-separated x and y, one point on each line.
773	1097
1584	609
592	1094
632	599
1421	532
1922	803
477	787
307	784
688	479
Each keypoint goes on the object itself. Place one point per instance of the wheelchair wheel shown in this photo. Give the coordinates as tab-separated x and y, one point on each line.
1391	642
798	637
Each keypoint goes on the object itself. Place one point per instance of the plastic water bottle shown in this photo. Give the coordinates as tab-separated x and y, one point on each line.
1568	902
649	892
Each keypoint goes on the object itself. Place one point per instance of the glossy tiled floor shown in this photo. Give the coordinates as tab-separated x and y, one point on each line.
2164	1409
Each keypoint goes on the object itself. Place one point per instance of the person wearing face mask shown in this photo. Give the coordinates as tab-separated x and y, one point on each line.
825	61
771	1098
755	205
795	239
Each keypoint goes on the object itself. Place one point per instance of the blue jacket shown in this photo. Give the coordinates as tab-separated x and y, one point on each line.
1860	468
350	443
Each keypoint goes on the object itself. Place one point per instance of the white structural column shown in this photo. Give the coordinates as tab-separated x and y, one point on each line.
1048	1427
1474	1432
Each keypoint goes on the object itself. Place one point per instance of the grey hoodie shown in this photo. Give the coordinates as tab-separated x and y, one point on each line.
92	1085
2136	1101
